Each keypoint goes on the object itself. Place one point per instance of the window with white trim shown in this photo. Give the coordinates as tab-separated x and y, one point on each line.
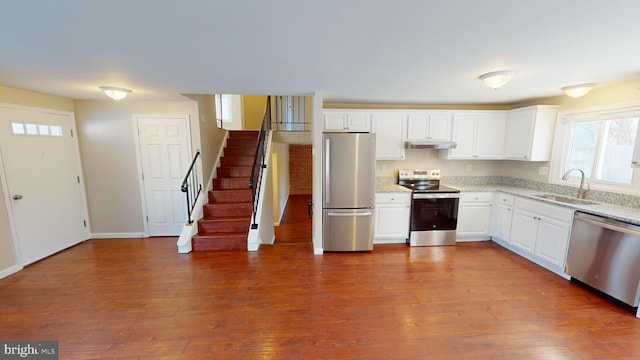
18	128
603	142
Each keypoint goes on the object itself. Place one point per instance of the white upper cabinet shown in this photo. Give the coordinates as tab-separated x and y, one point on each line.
389	130
490	134
529	133
347	121
429	125
464	133
479	134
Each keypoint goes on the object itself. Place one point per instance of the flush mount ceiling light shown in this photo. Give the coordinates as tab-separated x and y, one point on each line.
576	91
497	79
115	93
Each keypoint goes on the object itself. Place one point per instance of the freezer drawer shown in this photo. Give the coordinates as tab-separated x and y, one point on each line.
348	229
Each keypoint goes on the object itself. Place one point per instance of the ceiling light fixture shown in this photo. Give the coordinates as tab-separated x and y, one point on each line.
497	79
576	91
115	93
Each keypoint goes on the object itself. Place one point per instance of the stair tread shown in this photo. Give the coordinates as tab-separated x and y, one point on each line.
217	191
221	235
226	218
229	204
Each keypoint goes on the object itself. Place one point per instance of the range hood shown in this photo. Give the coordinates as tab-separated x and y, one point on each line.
430	144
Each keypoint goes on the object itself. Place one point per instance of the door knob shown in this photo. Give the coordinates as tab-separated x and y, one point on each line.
16	197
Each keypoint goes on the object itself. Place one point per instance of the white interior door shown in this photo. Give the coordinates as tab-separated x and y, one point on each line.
165	158
42	172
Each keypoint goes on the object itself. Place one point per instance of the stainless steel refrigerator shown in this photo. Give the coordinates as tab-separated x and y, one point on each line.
348	191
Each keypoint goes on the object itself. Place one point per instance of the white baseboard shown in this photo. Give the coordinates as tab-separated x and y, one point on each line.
10	270
118	235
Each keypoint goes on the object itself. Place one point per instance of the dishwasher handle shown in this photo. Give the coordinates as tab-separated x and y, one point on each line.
610	224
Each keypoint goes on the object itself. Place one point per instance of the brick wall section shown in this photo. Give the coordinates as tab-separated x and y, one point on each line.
300	169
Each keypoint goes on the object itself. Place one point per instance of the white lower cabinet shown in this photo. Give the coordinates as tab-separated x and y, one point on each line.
502	216
392	217
474	216
524	229
541	232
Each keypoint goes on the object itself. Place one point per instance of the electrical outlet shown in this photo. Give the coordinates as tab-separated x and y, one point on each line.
384	166
469	167
543	170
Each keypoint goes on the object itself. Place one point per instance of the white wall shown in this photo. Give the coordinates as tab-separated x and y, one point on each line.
107	146
280	168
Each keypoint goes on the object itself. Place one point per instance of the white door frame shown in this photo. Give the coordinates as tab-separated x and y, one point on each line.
80	174
141	183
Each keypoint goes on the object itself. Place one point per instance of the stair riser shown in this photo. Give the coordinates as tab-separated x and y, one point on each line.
209	227
231	183
236	242
243	143
243	161
240	151
229	196
239	209
233	171
247	134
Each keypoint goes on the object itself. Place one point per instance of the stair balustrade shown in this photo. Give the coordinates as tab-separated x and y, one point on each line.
290	114
192	187
259	161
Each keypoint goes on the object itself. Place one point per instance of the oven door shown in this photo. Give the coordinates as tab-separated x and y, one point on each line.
434	211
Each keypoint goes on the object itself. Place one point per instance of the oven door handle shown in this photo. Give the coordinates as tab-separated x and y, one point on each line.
418	196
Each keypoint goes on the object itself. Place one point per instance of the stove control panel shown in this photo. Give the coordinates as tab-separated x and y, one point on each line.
431	174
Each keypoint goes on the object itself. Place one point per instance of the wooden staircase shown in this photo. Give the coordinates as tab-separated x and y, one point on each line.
227	216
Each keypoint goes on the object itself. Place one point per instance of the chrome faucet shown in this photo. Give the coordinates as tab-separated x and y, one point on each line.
581	189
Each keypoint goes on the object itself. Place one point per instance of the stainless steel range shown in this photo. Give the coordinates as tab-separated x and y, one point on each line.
434	208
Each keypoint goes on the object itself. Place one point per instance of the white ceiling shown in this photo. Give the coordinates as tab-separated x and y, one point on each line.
385	51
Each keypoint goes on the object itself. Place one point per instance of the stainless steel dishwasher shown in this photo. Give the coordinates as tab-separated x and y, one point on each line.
605	254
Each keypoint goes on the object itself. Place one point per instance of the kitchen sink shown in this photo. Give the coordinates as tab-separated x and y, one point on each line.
566	199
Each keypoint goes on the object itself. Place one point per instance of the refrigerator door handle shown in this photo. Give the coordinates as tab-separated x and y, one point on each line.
368	213
327	177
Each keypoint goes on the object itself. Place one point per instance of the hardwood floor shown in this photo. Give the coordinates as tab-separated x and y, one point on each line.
295	224
139	299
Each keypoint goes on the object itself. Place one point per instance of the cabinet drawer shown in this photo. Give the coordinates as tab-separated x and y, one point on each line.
476	197
399	198
505	199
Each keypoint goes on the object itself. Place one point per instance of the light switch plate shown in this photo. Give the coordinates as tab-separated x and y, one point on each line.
543	170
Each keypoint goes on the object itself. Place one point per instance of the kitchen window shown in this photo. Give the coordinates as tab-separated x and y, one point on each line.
603	142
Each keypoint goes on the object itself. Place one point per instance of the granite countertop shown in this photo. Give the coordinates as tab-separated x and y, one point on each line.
391	187
621	213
